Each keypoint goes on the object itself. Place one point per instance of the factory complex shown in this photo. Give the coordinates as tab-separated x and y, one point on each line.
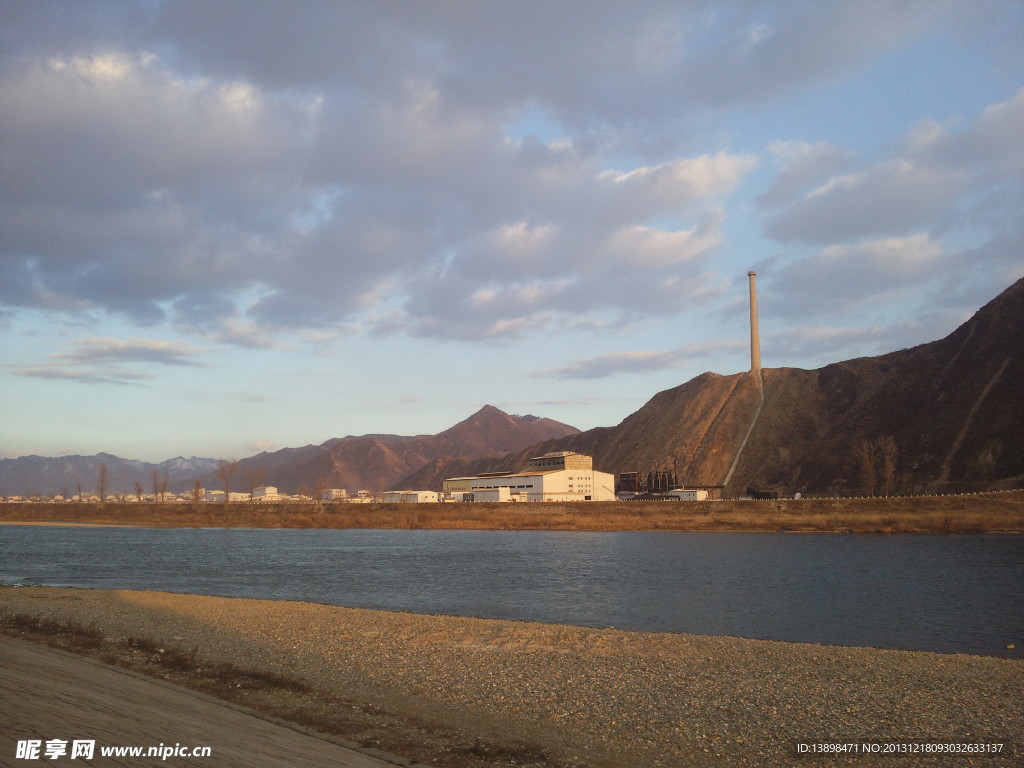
559	476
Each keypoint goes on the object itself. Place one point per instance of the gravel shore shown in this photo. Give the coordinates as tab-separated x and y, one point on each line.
582	696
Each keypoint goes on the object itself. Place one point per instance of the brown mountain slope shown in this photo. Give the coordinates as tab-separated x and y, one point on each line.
955	408
376	462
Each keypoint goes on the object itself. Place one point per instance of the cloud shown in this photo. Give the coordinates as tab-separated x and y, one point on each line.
990	144
934	184
128	185
593	252
761	52
803	166
892	198
826	343
83	375
583	58
841	278
942	216
351	166
105	350
102	360
640	361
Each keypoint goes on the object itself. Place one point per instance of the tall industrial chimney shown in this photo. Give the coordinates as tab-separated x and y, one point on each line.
755	338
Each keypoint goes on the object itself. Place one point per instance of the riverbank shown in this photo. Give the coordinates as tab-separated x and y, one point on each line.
998	512
468	693
60	694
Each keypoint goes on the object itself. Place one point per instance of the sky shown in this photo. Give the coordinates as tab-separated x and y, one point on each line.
236	226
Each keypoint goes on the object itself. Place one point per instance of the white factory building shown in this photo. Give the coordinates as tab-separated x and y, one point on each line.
410	497
266	493
559	476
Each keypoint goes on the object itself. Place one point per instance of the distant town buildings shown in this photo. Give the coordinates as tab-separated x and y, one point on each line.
555	476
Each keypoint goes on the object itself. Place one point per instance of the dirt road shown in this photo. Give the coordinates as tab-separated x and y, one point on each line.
47	694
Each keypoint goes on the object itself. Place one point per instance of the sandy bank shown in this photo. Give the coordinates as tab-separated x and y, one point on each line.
517	692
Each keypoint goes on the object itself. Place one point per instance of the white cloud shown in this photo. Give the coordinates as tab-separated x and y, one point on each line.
991	144
892	198
349	166
106	350
640	361
82	375
128	185
943	212
803	166
681	182
846	276
93	360
644	247
932	185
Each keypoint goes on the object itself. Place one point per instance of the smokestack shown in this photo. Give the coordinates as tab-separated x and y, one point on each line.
755	338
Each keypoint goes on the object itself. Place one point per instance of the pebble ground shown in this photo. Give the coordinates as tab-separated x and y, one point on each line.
592	697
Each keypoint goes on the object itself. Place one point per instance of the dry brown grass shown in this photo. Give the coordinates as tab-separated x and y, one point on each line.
988	512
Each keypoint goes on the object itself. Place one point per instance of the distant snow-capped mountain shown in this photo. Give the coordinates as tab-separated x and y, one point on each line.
50	475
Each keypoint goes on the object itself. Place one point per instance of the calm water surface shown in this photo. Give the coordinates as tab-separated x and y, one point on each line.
929	592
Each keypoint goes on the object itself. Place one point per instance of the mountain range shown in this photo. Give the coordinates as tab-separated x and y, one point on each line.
374	462
939	417
379	462
64	475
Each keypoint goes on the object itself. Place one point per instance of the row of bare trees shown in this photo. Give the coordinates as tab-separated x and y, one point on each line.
226	469
876	460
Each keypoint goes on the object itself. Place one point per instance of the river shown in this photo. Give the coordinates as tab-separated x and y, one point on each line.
946	593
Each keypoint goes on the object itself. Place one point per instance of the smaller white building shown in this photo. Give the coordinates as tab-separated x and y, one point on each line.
501	493
687	494
265	493
410	497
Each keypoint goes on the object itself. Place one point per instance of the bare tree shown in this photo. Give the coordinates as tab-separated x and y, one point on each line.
888	453
155	480
79	493
138	491
226	469
163	485
319	490
101	483
866	453
197	486
254	478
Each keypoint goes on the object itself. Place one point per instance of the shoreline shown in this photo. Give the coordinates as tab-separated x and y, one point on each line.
447	690
71	524
995	512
